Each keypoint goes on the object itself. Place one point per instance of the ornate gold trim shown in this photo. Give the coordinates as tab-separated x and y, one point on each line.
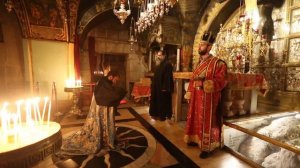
208	86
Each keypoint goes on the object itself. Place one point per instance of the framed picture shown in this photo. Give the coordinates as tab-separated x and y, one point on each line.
277	49
1	34
295	21
294	50
293	79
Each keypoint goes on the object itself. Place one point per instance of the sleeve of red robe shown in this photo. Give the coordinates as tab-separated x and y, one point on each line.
220	76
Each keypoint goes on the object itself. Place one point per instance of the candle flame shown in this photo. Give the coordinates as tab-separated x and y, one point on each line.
72	83
12	123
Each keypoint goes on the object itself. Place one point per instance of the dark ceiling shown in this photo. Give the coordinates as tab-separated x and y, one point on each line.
84	5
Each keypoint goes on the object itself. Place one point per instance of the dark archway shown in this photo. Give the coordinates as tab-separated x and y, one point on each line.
104	16
223	15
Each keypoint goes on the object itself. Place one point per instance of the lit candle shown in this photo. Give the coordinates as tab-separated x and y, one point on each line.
15	127
49	111
78	83
44	108
19	103
28	112
4	123
178	60
37	102
34	110
70	83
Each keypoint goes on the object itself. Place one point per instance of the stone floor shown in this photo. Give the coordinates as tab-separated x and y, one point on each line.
170	151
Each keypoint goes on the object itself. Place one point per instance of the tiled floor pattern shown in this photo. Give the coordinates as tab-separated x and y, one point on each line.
171	151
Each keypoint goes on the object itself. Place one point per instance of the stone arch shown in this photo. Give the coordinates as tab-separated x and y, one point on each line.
216	14
94	15
86	22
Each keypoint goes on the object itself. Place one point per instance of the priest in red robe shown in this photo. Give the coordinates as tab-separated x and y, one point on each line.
204	119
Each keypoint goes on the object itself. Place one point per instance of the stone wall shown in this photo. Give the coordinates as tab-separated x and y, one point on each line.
112	39
11	57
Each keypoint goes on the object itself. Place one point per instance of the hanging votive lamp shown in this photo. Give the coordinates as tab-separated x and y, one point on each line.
122	13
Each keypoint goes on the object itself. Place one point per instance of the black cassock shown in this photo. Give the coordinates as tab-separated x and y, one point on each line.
161	101
106	94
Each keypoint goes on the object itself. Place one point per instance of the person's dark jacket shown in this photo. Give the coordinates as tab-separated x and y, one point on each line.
106	94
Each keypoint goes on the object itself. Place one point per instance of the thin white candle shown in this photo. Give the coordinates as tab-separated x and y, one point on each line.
4	121
34	111
7	125
15	126
49	112
19	103
3	115
26	112
29	121
36	104
44	108
178	60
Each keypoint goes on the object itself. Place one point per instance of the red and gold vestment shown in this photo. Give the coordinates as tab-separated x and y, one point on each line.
204	120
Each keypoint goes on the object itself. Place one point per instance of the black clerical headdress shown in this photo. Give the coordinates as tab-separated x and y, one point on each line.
208	37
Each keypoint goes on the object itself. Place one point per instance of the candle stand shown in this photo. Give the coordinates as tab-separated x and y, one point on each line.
75	110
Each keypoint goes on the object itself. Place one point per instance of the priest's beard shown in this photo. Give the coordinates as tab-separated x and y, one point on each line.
157	62
202	52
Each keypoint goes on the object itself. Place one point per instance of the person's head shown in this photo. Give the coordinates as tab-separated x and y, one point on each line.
113	76
159	57
106	69
206	43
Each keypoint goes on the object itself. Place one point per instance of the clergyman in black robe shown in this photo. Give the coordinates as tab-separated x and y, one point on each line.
98	134
106	93
162	88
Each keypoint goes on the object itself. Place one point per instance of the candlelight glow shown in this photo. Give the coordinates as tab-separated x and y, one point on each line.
72	83
252	13
20	121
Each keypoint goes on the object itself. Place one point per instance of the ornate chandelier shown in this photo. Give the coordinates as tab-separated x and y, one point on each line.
122	13
9	5
150	11
237	43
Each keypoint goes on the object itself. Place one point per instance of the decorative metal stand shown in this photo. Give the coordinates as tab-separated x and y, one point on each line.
75	110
